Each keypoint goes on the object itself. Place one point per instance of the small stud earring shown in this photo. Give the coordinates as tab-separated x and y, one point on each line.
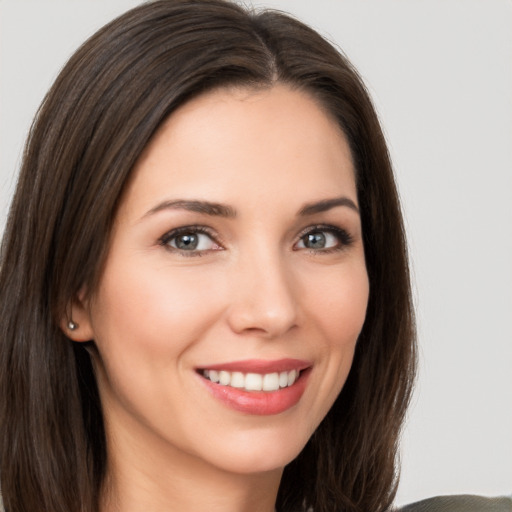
72	326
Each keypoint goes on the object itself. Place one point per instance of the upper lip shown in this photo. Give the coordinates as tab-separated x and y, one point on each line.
260	365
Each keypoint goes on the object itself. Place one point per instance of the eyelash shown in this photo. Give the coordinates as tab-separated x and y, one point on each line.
187	230
344	238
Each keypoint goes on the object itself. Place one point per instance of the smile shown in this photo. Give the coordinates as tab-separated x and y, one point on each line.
257	387
253	381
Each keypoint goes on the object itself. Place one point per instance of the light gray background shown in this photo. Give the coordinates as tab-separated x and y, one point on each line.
440	72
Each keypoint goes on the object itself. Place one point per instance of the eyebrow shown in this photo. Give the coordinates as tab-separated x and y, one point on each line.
327	204
205	207
223	210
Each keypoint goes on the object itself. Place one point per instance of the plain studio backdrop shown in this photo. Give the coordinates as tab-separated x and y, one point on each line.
440	73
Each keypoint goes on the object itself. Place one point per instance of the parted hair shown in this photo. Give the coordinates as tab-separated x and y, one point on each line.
105	105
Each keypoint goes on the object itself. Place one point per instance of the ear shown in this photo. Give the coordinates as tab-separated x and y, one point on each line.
76	322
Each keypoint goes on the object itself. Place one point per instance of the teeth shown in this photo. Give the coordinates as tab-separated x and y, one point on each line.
292	376
224	378
237	380
213	375
271	382
253	381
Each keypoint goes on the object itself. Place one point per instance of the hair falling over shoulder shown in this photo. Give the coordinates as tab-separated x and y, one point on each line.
99	115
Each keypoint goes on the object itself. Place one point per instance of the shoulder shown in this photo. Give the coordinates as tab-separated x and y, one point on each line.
461	503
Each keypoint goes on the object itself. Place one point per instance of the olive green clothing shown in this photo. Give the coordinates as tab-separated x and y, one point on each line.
461	503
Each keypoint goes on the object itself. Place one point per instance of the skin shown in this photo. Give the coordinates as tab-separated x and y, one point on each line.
254	290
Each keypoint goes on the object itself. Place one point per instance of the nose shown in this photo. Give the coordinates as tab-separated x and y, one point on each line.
264	302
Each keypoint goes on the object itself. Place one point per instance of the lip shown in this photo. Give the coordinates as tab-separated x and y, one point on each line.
259	403
260	366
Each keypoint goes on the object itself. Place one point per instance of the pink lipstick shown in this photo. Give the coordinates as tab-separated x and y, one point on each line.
256	386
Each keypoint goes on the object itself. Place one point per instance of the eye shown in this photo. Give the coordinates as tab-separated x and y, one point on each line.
191	239
324	238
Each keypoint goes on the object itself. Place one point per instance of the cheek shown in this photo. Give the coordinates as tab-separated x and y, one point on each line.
145	318
150	312
337	315
338	305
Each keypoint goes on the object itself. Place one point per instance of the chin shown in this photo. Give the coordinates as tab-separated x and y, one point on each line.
259	454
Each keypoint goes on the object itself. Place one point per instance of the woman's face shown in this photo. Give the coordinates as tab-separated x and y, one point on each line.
237	256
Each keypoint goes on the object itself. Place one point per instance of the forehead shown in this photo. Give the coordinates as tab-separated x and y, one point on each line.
233	143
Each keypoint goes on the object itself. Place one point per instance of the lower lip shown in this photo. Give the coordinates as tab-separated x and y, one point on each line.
260	403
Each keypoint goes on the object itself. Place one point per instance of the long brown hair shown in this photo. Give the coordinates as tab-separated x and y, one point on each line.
104	107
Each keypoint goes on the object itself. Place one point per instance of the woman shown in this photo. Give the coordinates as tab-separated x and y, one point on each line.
204	279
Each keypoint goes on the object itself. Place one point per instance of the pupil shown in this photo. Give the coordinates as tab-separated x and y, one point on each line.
315	241
187	242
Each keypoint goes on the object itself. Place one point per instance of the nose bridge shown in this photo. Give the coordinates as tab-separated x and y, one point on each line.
264	301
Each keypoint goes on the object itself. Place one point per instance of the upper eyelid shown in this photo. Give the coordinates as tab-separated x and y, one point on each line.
323	227
172	233
193	228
